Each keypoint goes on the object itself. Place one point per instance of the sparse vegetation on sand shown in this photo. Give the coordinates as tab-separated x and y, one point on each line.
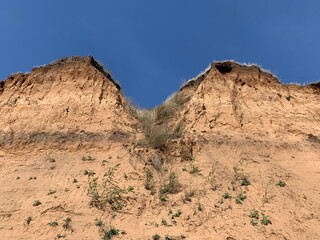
155	122
156	237
28	220
110	233
36	203
224	158
245	181
88	158
53	223
149	181
281	184
170	185
67	224
106	193
240	198
265	220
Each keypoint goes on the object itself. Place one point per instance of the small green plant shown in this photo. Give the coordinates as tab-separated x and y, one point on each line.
245	181
226	195
67	223
194	170
281	184
36	203
130	189
99	223
89	173
156	237
28	220
164	222
52	191
110	233
149	183
53	223
240	198
88	158
171	185
254	214
188	195
106	193
212	177
237	172
265	220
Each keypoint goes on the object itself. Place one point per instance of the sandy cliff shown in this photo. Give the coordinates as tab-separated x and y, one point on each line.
234	154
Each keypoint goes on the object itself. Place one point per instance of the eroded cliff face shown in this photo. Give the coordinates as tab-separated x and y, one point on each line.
67	104
234	154
247	101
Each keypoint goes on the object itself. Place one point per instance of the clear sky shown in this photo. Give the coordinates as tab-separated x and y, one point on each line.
152	47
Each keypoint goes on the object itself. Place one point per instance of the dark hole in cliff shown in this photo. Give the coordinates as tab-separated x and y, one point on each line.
224	68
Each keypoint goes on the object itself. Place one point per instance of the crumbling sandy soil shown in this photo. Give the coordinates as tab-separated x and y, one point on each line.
234	154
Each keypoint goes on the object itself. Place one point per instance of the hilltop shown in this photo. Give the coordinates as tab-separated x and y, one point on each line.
234	154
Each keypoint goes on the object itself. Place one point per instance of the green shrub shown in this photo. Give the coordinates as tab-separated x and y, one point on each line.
106	193
53	223
67	223
240	198
164	222
36	203
172	185
28	220
245	181
265	220
226	195
281	184
149	183
156	237
110	233
99	223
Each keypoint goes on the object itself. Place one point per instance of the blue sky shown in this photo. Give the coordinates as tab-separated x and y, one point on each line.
152	47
